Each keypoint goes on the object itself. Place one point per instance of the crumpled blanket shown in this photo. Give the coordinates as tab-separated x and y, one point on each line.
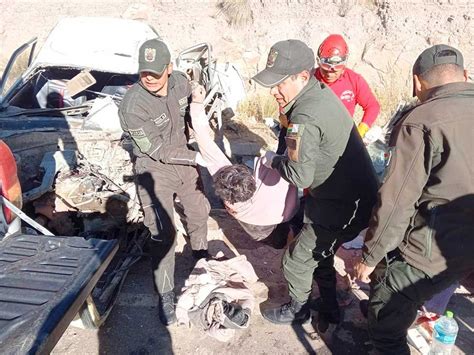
216	297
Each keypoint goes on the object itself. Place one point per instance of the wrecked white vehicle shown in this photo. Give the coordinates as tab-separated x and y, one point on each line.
59	117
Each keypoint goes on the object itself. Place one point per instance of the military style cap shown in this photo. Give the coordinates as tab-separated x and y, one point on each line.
438	54
154	56
285	58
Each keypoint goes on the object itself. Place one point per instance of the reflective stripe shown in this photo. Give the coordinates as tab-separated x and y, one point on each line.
180	159
353	215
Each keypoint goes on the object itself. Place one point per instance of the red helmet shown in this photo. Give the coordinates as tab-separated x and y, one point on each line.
333	53
333	45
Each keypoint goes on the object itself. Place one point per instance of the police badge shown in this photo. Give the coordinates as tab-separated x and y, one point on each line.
271	58
150	54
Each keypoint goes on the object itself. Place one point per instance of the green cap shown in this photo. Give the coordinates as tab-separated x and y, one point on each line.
284	59
154	56
438	54
449	314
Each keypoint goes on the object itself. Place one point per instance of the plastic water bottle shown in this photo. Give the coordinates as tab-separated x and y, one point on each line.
444	335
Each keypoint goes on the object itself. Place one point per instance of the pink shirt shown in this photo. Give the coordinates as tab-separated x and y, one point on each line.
274	201
352	89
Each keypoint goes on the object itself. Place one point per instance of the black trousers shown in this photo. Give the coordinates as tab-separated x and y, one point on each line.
158	186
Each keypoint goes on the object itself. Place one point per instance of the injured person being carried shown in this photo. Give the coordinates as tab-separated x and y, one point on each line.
262	201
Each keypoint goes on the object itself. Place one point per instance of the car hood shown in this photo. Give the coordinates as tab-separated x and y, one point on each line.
97	43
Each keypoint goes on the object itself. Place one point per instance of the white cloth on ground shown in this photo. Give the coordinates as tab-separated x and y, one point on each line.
228	278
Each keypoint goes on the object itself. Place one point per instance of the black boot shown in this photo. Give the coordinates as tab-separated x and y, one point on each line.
293	312
325	319
327	315
166	308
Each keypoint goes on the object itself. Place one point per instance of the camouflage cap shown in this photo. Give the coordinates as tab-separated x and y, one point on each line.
154	56
285	58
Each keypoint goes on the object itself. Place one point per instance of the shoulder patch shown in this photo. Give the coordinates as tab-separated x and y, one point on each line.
140	139
137	133
295	129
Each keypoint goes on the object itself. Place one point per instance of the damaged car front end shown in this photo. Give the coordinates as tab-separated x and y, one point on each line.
60	118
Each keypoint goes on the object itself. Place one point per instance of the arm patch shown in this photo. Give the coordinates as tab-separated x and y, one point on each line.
293	140
140	139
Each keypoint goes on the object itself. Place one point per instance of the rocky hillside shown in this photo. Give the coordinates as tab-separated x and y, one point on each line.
384	36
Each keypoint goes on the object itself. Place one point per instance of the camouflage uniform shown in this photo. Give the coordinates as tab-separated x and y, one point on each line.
165	168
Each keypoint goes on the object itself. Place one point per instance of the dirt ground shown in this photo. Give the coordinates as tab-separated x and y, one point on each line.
133	326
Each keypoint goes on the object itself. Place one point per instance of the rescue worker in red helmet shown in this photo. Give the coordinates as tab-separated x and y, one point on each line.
350	87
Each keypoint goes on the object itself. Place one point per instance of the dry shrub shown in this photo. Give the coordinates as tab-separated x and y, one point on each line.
257	106
238	13
395	87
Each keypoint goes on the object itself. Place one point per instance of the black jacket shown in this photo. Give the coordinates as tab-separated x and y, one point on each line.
426	203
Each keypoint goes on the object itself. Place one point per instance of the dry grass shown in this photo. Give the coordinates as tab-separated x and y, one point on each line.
238	13
257	106
396	86
249	124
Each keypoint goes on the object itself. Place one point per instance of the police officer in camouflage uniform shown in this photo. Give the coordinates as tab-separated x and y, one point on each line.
326	155
153	113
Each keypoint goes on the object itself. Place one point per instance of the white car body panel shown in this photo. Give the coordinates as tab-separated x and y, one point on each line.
99	43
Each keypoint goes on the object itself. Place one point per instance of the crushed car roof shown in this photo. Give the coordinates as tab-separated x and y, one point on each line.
98	43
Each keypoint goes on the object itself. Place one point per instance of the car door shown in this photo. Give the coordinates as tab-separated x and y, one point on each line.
16	69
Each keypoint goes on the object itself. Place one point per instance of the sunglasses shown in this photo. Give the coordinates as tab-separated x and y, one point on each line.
335	62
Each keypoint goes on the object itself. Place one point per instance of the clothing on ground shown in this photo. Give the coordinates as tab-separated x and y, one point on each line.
210	286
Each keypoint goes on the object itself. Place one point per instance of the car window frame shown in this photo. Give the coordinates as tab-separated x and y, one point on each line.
4	93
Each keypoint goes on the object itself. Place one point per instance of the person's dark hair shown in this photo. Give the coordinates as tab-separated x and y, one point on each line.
438	74
234	183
